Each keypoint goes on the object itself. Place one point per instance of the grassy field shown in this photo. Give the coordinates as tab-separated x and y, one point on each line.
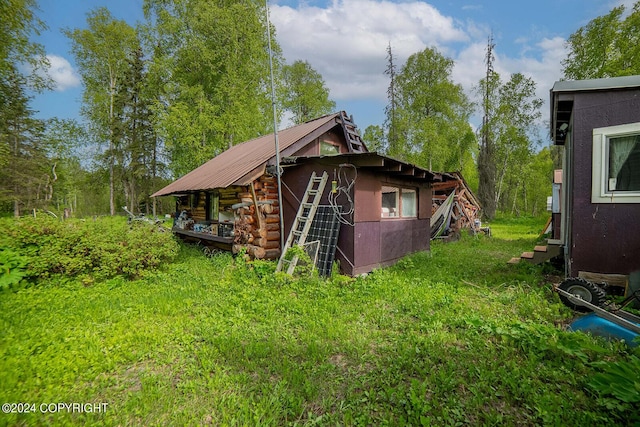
452	337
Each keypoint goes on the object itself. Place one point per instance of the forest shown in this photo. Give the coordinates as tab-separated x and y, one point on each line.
163	97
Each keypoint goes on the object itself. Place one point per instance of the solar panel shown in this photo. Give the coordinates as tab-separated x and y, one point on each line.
324	228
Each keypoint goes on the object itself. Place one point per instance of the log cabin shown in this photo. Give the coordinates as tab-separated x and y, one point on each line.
374	211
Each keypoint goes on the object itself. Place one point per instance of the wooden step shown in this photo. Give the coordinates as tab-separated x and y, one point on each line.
540	254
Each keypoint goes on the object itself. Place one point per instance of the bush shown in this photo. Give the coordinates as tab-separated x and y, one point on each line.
92	249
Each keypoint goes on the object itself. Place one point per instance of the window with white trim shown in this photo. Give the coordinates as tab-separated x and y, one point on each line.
399	202
616	164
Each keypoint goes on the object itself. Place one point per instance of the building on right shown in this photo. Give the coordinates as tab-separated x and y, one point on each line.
598	123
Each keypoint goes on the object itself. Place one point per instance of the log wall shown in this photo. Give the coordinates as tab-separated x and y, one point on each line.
257	225
255	213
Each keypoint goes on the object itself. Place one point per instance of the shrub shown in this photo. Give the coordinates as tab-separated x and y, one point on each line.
92	249
12	268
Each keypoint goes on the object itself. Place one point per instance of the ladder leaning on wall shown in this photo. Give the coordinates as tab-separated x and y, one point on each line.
304	218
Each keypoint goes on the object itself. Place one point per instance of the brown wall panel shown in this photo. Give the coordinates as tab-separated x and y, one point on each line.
606	236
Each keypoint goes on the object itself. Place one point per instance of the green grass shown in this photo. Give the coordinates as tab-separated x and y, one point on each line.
451	337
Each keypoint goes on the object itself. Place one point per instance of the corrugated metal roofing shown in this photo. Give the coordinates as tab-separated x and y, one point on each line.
596	84
242	163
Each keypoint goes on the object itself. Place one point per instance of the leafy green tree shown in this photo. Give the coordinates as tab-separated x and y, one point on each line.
64	139
19	22
305	93
24	175
487	90
518	112
432	113
102	54
138	158
373	137
214	62
511	113
21	154
607	46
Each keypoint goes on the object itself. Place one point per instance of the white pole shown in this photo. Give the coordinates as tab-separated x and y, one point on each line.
275	130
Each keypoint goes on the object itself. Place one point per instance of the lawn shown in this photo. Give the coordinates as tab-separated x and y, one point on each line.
451	337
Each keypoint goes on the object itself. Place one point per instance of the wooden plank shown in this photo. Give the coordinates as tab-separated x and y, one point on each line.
621	280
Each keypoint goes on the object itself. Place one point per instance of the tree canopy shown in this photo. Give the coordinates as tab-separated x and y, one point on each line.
305	95
215	72
607	46
430	119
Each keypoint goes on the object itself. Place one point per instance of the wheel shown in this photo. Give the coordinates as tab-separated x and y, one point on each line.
589	292
207	251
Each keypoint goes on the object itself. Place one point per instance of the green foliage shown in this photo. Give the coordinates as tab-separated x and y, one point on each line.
19	24
12	268
102	52
608	46
618	385
373	137
213	66
89	250
431	115
306	95
451	337
513	176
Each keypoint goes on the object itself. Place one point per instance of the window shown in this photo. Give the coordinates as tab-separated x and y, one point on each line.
390	201
616	164
327	148
409	205
399	202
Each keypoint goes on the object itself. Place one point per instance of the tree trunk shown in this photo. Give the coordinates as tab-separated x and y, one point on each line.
112	202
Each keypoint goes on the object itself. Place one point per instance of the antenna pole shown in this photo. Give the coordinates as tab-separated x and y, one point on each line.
275	130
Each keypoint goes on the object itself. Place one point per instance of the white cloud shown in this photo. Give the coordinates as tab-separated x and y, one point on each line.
62	73
346	42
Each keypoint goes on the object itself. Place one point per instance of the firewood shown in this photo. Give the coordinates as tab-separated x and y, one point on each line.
259	232
272	219
272	253
256	251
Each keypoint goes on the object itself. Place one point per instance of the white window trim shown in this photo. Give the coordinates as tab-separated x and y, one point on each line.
399	205
599	193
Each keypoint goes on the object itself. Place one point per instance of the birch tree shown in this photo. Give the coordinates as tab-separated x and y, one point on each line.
306	96
101	52
607	46
432	113
216	76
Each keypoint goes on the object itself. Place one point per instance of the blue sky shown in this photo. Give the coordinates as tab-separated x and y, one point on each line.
346	40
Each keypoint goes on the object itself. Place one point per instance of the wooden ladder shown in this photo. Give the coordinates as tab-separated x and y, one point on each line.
304	218
351	135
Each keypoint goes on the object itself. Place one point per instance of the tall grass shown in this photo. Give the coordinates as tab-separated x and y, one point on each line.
455	336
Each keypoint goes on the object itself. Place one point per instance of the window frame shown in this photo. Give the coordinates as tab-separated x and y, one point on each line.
399	202
600	165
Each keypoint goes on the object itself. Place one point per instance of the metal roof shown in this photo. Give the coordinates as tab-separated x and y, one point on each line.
596	84
242	163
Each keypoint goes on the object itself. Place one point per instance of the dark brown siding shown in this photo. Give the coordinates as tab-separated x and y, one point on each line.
372	242
605	237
